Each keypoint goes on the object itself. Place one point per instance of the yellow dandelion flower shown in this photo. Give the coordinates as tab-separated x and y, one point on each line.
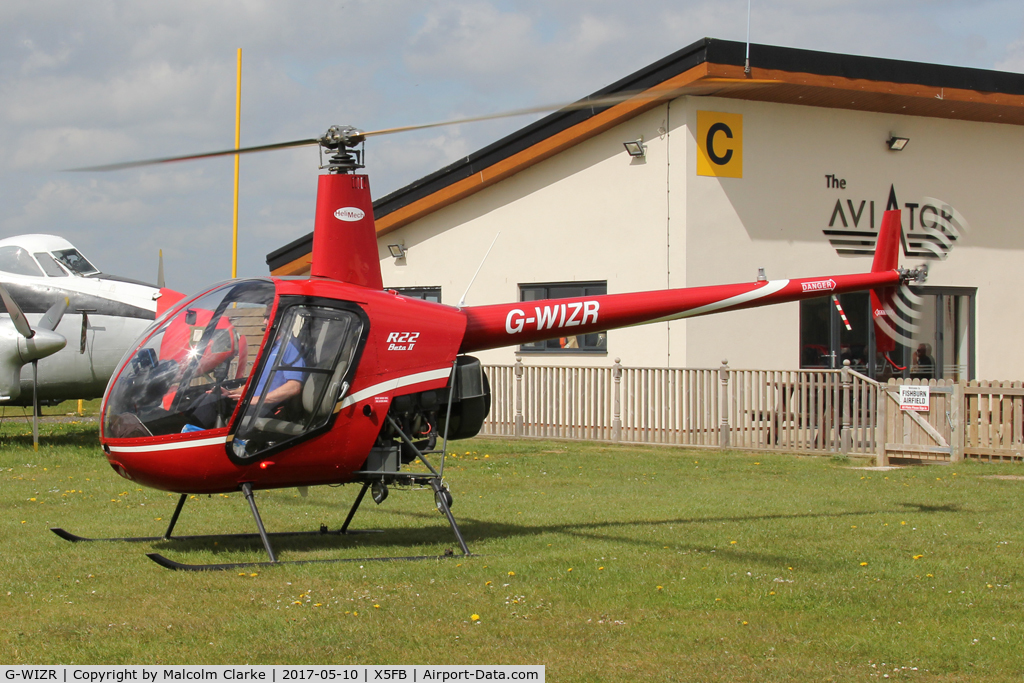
658	588
474	617
863	564
376	606
732	542
918	557
744	623
511	573
570	569
487	583
771	592
600	568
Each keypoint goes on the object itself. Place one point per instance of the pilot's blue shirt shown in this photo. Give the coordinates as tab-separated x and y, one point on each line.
292	359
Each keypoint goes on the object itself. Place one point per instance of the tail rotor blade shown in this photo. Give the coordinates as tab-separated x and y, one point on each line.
52	317
17	317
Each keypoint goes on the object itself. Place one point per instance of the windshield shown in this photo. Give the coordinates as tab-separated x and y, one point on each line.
18	261
205	350
75	262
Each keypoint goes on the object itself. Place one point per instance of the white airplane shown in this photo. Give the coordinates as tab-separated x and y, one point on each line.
104	315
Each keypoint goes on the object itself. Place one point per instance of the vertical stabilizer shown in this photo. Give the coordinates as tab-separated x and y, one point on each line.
344	236
887	248
887	257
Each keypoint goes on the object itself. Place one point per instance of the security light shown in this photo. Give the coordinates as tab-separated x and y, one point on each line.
897	143
397	250
635	148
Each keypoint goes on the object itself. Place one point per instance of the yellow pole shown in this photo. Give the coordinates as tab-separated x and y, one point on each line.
238	125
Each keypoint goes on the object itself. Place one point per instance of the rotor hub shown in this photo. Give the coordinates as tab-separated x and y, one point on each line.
345	145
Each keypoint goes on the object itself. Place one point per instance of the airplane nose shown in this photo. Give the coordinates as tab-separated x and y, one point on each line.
42	344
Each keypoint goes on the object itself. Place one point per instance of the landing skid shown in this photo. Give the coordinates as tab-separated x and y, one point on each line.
442	499
178	566
74	538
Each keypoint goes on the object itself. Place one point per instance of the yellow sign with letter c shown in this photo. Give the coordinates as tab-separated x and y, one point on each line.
719	144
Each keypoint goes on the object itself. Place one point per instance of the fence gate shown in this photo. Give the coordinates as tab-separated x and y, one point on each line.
923	435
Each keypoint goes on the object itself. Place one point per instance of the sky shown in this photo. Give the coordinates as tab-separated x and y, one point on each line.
101	81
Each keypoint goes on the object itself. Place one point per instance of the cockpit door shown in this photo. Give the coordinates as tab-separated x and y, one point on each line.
307	366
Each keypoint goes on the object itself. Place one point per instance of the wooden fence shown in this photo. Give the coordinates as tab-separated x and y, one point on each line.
813	411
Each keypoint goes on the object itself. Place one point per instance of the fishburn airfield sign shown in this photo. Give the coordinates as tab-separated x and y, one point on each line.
914	397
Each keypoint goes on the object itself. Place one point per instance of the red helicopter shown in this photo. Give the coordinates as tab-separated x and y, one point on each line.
350	382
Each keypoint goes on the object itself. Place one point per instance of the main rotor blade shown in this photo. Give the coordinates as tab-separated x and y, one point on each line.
205	155
639	96
600	101
17	317
578	105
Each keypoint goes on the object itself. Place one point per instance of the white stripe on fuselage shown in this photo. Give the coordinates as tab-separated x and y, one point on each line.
171	445
396	383
771	287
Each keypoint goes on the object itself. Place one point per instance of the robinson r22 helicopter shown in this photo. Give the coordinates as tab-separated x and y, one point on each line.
351	383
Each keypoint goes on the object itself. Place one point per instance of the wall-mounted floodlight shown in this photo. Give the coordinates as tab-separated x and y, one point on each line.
897	143
635	148
397	250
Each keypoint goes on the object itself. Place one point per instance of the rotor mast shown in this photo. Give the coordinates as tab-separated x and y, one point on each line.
344	234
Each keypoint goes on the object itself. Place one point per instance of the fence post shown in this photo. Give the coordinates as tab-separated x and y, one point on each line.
882	429
724	431
519	428
957	411
846	437
617	401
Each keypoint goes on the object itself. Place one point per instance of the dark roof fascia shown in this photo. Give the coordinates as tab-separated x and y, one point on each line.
867	68
714	51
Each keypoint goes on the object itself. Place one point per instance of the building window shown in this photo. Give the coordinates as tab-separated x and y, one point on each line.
425	293
942	347
596	342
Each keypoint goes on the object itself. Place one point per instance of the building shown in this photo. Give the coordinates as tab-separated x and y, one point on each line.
785	166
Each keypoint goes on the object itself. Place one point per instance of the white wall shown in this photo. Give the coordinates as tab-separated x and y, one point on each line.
592	213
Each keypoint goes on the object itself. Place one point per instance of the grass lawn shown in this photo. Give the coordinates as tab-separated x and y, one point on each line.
603	563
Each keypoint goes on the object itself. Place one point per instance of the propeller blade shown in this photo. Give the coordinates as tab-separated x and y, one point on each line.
35	405
85	330
52	317
17	317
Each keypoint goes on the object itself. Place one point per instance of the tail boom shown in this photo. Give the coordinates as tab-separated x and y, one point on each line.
500	325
